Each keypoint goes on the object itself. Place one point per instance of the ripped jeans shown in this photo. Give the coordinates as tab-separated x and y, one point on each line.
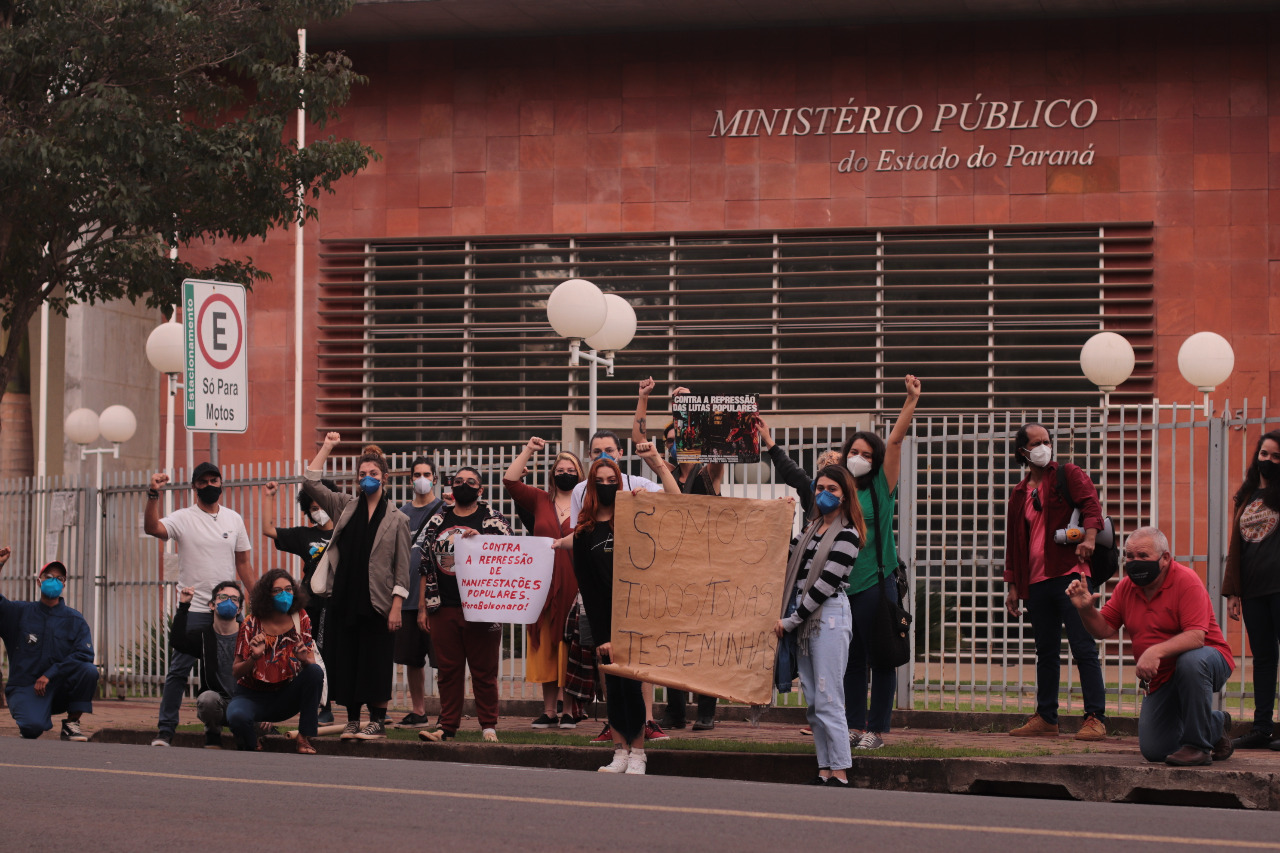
822	677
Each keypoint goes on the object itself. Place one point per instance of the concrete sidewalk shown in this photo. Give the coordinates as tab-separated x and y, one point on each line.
1107	771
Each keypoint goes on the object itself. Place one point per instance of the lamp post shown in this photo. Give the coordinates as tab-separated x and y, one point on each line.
167	352
1206	360
1107	360
577	310
117	425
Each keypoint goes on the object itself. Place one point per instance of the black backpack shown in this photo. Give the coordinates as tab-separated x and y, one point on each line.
1106	558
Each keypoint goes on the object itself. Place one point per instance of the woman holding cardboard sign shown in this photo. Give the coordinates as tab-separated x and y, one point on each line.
548	658
819	615
592	543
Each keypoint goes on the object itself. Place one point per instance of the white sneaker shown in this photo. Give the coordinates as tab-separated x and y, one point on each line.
636	762
491	735
620	764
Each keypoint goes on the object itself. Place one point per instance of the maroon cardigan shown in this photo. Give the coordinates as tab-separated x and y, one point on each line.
564	584
1058	559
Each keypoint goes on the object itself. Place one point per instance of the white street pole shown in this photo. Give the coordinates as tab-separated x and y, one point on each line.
592	388
297	278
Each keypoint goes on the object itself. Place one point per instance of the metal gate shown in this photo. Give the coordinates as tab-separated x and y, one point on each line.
1169	466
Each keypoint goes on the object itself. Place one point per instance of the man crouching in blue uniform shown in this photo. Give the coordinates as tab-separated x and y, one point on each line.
51	667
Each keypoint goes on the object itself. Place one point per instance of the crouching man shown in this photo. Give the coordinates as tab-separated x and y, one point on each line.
1181	654
50	658
215	647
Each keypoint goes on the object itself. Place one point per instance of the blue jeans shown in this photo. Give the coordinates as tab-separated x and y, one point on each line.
822	677
1262	623
300	696
1181	712
175	681
34	714
1049	609
884	682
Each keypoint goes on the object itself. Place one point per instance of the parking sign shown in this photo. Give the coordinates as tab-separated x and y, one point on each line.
217	361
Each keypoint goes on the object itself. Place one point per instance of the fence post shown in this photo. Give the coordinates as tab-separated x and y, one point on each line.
907	537
1217	513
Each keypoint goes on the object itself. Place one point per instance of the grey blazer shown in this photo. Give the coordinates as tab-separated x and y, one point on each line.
389	559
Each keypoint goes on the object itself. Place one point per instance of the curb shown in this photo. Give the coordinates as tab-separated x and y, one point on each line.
1087	778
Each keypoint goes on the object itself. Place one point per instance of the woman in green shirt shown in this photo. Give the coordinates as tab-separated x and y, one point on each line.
875	465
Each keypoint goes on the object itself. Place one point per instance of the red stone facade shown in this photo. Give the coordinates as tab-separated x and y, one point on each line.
607	133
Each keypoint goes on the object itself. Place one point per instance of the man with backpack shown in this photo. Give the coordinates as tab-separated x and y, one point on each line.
1038	570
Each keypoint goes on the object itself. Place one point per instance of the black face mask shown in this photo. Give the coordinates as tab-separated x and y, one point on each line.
606	493
465	495
209	495
1142	572
1269	469
566	482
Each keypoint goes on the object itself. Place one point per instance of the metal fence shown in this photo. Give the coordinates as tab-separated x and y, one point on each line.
1170	466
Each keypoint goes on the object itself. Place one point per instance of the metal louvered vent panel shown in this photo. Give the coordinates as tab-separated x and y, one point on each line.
447	339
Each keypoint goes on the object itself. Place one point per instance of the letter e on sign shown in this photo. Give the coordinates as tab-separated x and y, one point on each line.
217	377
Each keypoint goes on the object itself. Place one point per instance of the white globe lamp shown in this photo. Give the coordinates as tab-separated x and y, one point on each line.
117	423
1206	360
81	426
619	326
1107	360
167	348
576	309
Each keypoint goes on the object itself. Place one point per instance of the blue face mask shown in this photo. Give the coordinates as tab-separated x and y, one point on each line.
607	456
283	601
51	588
826	502
228	609
370	484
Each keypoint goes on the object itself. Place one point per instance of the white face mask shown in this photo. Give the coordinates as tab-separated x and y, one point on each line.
1040	455
320	517
858	465
423	485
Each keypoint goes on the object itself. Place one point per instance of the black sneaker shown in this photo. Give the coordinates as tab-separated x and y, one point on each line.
325	717
1253	740
71	731
546	721
568	722
212	739
413	721
373	730
669	722
163	739
836	782
704	724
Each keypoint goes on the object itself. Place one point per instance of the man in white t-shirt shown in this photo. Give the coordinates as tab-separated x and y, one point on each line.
605	443
213	546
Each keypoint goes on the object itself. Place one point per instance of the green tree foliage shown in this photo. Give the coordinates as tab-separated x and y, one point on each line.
128	127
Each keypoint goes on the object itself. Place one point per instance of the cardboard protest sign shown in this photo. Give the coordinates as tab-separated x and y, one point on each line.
697	590
716	428
503	578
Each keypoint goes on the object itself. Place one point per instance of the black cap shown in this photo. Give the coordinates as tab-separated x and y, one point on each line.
205	468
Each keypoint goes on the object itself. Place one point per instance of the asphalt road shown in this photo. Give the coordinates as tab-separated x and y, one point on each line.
104	797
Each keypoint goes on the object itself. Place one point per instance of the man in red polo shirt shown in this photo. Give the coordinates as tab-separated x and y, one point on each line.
1181	654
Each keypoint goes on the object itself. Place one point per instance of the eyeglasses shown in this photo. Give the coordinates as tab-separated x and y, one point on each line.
225	597
1035	499
469	482
279	589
